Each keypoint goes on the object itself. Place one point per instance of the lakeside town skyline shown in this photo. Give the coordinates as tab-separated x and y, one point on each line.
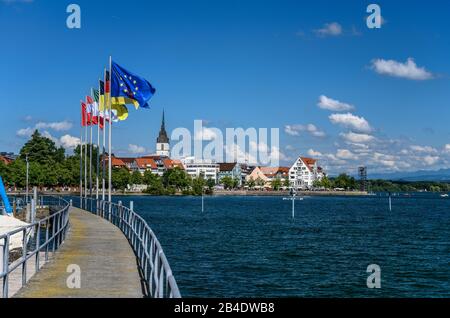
381	104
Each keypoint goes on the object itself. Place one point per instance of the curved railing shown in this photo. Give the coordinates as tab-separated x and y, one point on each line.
153	265
39	241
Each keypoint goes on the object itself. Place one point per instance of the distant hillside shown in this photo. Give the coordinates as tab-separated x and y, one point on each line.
421	175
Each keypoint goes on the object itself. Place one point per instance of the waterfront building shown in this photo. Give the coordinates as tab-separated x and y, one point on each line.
196	167
162	142
257	175
230	169
304	172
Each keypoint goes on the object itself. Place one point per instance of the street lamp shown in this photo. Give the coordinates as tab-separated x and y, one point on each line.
28	168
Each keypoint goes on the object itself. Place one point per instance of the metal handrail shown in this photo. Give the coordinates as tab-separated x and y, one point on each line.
33	242
152	262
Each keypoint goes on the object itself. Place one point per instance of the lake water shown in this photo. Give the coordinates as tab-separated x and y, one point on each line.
251	246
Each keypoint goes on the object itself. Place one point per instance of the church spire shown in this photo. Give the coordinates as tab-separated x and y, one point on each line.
162	138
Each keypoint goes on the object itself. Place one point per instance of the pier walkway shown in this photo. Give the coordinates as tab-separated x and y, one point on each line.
105	258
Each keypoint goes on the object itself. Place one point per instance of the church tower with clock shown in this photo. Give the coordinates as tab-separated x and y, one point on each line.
162	142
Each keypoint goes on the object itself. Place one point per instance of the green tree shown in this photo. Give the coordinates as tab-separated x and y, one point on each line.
198	185
210	183
136	178
251	183
176	178
276	184
227	182
260	182
154	183
120	178
42	150
286	182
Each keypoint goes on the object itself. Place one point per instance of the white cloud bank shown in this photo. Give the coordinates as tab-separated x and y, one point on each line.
334	105
358	124
329	29
408	70
135	149
296	130
357	138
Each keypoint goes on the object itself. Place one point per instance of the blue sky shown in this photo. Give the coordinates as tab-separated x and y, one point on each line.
242	64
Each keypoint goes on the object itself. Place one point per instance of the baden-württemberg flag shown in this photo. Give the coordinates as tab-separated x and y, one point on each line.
128	85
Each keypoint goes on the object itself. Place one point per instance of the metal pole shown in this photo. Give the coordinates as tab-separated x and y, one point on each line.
28	169
104	140
110	133
81	161
390	202
98	155
90	162
203	202
85	158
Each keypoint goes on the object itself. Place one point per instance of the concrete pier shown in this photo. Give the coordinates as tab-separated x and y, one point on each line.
106	261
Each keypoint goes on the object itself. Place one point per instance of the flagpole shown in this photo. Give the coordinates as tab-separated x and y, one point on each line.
98	152
90	159
81	160
85	157
104	136
103	159
110	133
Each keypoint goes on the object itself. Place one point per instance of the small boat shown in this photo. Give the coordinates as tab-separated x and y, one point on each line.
445	195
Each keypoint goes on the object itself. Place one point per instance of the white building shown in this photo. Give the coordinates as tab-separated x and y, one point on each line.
208	168
304	172
162	142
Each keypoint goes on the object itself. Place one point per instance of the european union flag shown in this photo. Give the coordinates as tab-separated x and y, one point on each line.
129	85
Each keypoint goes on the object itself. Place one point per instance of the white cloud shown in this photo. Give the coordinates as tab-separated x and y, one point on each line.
423	149
295	130
57	126
408	70
431	160
351	121
357	138
334	105
447	148
345	154
329	29
206	134
25	132
135	149
69	142
314	153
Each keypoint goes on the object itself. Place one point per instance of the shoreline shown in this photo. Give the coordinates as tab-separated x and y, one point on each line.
254	193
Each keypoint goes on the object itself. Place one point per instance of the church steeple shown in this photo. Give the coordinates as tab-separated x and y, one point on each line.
162	142
162	138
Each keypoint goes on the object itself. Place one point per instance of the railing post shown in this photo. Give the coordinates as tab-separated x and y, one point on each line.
38	245
24	256
5	266
119	212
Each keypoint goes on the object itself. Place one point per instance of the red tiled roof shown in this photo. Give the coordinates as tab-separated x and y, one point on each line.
144	163
5	160
309	162
227	166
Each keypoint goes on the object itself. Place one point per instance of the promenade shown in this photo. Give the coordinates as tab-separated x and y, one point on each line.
106	260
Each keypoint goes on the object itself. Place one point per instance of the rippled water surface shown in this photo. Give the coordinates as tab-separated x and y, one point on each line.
251	246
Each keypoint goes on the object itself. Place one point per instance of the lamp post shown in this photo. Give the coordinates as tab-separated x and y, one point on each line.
28	168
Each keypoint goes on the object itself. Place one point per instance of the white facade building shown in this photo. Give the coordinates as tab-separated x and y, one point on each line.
304	172
208	168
